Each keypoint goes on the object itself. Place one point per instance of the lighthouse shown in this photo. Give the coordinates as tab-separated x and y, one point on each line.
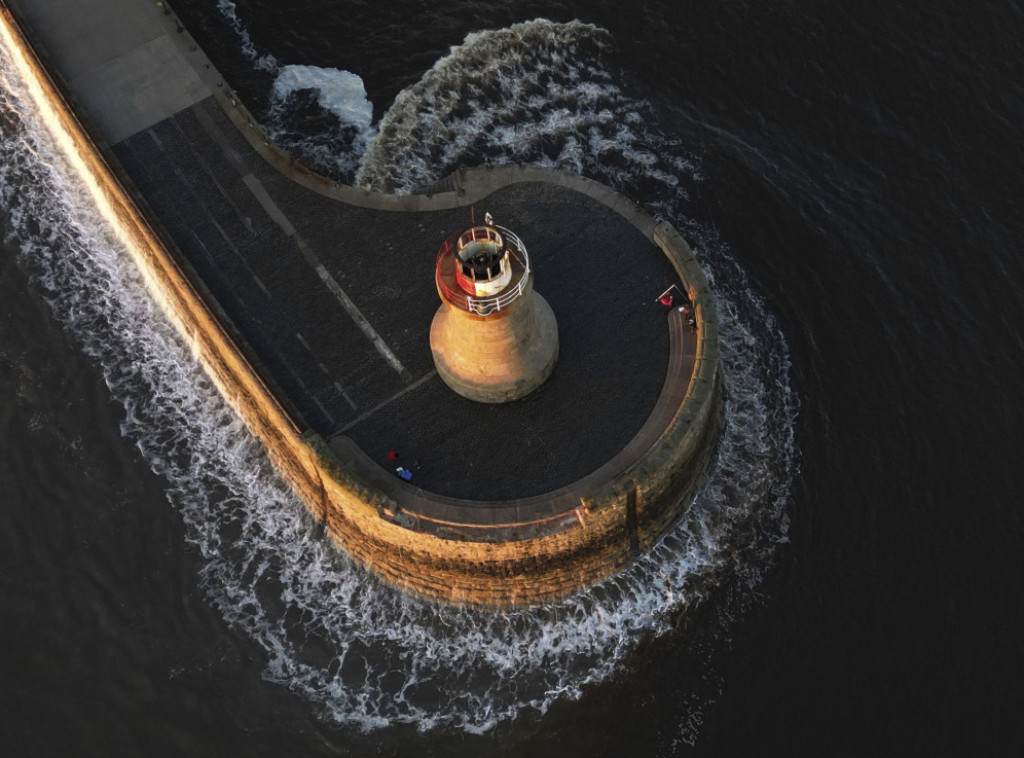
493	339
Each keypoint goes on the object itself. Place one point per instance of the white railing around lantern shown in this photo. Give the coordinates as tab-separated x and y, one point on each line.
488	236
486	305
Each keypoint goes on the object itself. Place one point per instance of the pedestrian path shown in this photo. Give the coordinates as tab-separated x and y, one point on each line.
332	301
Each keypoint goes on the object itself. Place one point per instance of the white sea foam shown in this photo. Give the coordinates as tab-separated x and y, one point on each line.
332	149
341	93
536	92
362	653
261	61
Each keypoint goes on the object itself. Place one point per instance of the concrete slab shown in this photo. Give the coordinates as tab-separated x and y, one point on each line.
140	88
119	60
83	34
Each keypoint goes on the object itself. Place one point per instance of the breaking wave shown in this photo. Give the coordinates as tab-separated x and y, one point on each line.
314	112
537	93
320	115
362	653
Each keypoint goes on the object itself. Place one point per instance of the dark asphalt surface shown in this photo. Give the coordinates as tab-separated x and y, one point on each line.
598	273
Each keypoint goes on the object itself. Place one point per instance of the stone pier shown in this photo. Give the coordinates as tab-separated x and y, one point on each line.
272	274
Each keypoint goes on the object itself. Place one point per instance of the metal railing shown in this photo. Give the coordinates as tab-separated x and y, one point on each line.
485	305
490	234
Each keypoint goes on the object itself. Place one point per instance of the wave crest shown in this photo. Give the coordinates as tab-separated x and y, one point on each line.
538	92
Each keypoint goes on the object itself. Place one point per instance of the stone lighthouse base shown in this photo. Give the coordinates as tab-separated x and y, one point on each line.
499	357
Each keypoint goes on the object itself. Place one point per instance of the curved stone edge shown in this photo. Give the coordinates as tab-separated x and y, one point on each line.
606	531
464	186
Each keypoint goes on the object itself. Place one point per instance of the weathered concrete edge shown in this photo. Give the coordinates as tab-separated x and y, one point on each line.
600	536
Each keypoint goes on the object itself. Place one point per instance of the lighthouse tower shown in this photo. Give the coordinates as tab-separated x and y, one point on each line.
494	339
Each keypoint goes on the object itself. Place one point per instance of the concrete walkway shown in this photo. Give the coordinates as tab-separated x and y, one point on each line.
119	58
334	300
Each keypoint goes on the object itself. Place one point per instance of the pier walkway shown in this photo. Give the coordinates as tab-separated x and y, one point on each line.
333	301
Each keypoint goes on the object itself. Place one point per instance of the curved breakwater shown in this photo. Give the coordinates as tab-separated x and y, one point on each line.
278	556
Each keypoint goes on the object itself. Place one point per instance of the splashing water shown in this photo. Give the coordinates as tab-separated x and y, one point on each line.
320	115
535	93
363	654
338	93
264	62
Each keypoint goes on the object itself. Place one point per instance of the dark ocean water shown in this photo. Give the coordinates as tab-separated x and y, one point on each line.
851	582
